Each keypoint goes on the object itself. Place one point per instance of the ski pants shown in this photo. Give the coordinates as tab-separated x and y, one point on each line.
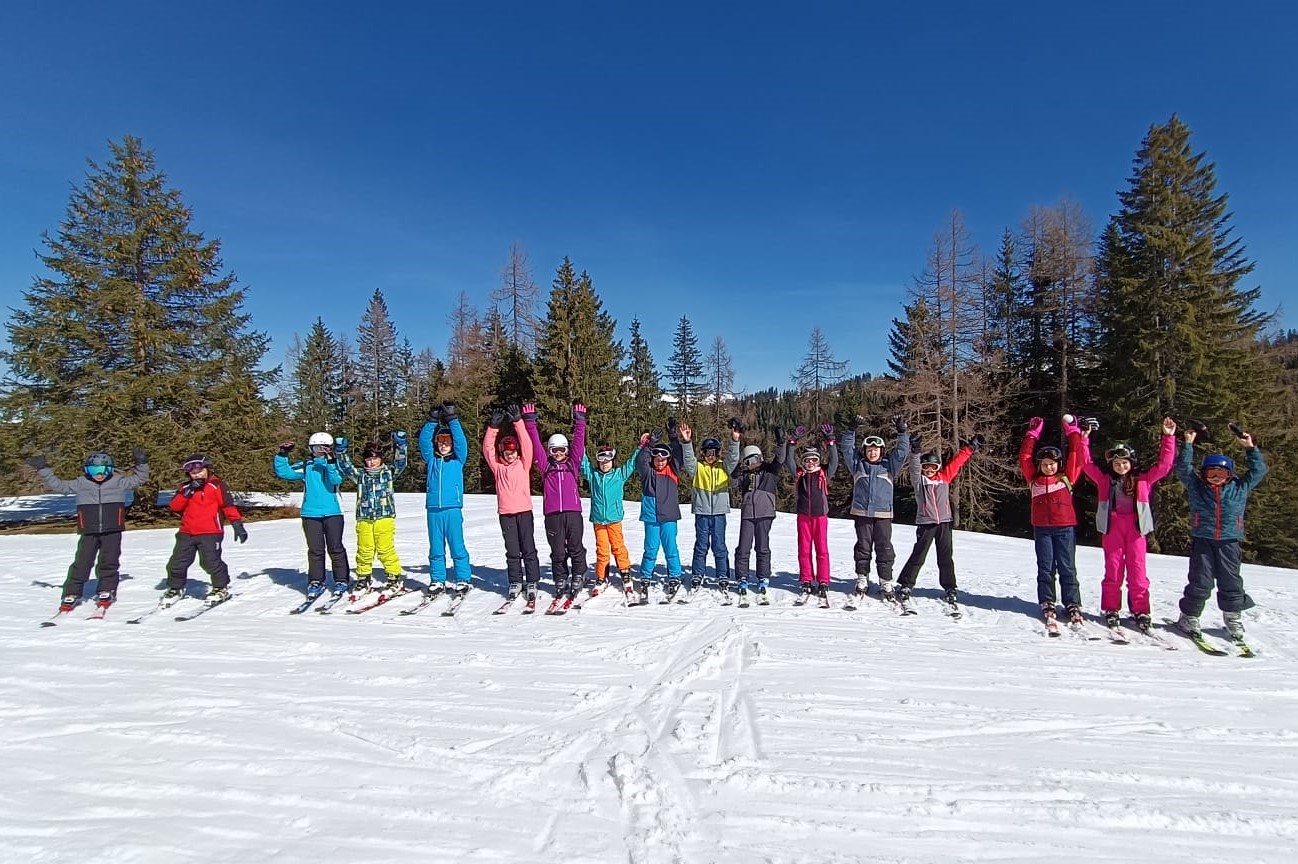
813	542
1124	556
208	549
1215	561
610	546
660	535
925	535
754	532
446	530
1055	550
518	529
710	533
567	552
325	533
377	536
108	549
874	536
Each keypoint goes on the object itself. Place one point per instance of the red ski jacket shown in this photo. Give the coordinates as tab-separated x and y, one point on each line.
201	513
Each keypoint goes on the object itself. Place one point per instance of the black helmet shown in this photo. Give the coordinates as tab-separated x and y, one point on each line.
196	461
370	450
1054	454
931	458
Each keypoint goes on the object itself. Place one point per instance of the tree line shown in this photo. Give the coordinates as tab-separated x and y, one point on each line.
136	334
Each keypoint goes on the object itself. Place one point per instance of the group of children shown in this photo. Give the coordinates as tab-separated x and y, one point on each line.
513	448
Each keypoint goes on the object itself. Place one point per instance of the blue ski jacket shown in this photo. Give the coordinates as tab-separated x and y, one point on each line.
322	479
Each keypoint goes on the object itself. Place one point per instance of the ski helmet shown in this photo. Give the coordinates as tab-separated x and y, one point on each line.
605	453
660	450
195	462
443	436
99	465
320	439
1120	451
557	442
809	453
931	458
1218	460
752	452
711	444
508	444
1054	454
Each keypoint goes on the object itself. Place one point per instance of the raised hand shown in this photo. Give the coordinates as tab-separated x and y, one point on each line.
1169	426
685	432
735	425
399	439
899	422
340	445
529	412
449	411
286	448
578	412
513	413
827	431
977	442
435	413
1035	426
38	462
799	433
497	418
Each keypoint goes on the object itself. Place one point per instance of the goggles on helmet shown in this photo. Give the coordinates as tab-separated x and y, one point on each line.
606	455
661	451
194	465
872	441
558	449
443	438
711	445
753	460
99	470
1051	453
1120	451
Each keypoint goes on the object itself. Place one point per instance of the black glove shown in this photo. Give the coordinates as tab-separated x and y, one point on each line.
497	417
916	441
138	455
654	437
1235	429
286	448
435	414
671	428
977	441
1202	433
38	462
736	424
240	533
513	413
449	412
900	423
778	432
192	486
579	412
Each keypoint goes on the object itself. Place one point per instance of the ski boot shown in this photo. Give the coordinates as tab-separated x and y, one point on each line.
515	589
170	596
763	599
822	594
952	600
1144	623
903	600
361	585
1112	619
1075	618
393	585
1234	625
530	592
314	590
887	591
1048	615
643	587
69	603
1189	624
862	585
217	595
340	588
669	592
600	585
696	582
104	599
807	590
460	588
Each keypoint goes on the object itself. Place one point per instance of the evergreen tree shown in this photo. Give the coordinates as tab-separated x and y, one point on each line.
377	375
642	388
516	297
685	367
135	336
318	383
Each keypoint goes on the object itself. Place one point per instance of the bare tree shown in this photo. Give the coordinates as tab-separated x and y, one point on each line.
819	371
516	297
720	371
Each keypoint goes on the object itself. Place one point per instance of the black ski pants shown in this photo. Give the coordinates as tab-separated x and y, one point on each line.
564	531
208	549
108	549
753	532
925	535
325	533
874	536
1215	561
520	547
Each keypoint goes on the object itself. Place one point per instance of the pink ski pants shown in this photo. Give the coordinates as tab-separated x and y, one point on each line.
1124	555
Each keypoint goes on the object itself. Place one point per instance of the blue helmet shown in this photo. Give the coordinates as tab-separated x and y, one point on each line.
711	444
98	465
1218	460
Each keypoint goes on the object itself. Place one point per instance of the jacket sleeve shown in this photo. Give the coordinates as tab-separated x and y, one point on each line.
851	459
540	458
285	471
1027	466
54	484
346	468
833	463
178	501
916	475
489	447
400	461
459	441
331	471
578	438
227	503
525	449
1093	472
1185	465
138	477
900	453
1256	469
791	459
587	473
731	461
426	440
626	470
1073	464
1166	455
952	468
643	467
689	462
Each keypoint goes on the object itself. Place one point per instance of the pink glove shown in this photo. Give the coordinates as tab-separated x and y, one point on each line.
1035	425
1070	425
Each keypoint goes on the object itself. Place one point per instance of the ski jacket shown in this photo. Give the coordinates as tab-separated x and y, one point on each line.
513	479
445	476
374	493
933	497
757	488
812	486
560	492
1108	484
873	482
607	491
1217	513
1052	495
711	483
321	479
201	512
660	490
101	507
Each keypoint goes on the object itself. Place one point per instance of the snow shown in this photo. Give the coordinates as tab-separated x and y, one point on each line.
678	733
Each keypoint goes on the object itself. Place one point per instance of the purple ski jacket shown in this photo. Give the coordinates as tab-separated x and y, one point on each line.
560	492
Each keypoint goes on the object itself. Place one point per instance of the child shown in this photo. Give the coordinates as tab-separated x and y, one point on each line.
756	482
1124	519
561	500
812	507
873	481
376	511
658	466
445	449
510	458
710	504
607	490
201	501
322	515
932	482
1218	499
1054	521
101	519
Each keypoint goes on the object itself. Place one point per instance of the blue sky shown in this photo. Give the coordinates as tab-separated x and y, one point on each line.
761	168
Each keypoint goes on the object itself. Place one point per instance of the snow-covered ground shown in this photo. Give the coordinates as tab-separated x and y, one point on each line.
678	733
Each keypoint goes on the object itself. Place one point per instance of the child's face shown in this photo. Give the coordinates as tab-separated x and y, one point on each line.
873	454
1048	467
752	463
443	446
559	454
928	470
811	464
508	456
199	473
1121	466
604	465
710	456
660	462
373	462
1216	476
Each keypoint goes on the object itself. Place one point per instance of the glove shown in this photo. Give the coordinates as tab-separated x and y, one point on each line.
1070	424
435	414
340	445
799	433
579	412
916	441
138	455
38	462
654	437
449	411
1235	429
1092	424
1035	425
513	413
1202	433
240	533
976	442
286	448
192	486
827	431
529	413
497	418
898	422
399	439
736	424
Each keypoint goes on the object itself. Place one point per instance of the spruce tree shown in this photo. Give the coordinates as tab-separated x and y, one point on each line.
135	336
318	383
377	375
641	388
685	367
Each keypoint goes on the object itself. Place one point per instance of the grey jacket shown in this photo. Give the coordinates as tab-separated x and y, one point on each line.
101	507
873	482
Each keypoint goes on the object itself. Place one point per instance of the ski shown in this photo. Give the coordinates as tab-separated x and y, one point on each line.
854	601
1081	631
334	597
457	600
206	607
1197	637
1117	637
559	605
1241	647
312	595
1052	627
378	601
669	593
907	606
1152	637
99	613
505	607
823	600
953	609
802	598
154	610
529	608
430	597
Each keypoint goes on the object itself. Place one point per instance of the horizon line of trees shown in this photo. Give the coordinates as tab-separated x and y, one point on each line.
136	335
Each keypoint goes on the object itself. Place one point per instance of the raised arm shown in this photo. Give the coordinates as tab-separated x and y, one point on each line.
1076	458
1256	468
285	471
731	460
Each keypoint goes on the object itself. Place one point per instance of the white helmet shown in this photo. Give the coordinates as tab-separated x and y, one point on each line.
320	439
556	440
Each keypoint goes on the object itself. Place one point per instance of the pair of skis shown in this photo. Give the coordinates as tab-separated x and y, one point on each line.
63	614
1201	642
201	610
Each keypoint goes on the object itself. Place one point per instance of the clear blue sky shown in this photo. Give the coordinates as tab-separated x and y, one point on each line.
760	168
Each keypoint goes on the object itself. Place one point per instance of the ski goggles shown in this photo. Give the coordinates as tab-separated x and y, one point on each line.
1051	453
558	449
320	449
508	445
606	455
193	465
99	470
752	461
1121	451
872	441
658	451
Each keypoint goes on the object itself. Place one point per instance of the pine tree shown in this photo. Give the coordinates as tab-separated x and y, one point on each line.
135	336
516	297
642	388
375	369
685	367
318	383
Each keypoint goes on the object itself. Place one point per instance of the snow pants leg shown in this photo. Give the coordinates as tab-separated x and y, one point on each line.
874	537
446	530
519	532
1214	561
325	534
1055	554
208	549
1124	558
107	548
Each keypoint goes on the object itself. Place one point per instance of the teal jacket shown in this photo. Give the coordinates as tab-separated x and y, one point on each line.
606	491
374	498
445	476
1218	514
322	479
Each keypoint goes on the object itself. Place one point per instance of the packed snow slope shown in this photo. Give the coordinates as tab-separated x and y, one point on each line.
666	733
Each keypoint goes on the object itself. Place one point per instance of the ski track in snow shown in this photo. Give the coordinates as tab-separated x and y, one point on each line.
664	733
